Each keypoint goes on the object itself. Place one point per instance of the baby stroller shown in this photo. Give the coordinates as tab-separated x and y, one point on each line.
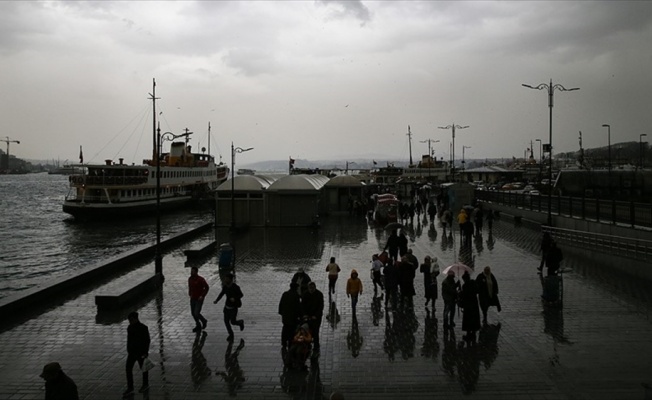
300	347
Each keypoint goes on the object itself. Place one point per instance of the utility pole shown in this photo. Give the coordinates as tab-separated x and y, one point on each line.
409	135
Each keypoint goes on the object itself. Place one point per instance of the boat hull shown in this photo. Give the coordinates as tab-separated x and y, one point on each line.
104	211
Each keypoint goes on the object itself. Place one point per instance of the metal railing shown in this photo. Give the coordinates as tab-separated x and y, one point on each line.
638	249
635	215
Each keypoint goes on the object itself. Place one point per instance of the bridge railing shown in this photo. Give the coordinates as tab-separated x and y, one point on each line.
638	249
636	215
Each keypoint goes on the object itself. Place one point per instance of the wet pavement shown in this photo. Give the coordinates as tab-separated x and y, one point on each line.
597	346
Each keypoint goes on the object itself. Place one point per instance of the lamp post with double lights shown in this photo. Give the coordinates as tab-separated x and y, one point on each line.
234	150
640	149
452	128
550	88
160	137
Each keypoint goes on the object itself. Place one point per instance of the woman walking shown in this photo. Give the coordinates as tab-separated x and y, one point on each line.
333	269
469	303
430	272
353	289
487	292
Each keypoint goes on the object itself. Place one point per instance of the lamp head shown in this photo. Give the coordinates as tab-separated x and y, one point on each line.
606	126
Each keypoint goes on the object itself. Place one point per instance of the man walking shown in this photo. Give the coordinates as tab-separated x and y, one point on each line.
58	385
197	290
290	310
233	301
137	350
449	290
376	270
313	310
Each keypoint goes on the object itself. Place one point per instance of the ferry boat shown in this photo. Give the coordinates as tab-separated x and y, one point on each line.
112	189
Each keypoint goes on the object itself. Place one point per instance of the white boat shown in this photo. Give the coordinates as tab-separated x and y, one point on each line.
112	189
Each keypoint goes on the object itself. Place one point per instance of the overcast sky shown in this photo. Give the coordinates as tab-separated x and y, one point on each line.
321	79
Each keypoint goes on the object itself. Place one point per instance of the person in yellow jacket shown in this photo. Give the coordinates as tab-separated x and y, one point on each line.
353	289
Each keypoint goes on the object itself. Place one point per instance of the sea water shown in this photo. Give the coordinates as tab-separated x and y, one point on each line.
38	241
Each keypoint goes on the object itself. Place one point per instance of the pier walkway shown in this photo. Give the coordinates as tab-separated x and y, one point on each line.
597	346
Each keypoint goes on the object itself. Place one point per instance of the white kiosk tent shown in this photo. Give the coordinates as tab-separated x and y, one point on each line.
295	200
249	201
338	190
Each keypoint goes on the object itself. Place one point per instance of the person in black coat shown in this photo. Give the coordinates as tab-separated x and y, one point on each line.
312	305
546	242
302	280
392	281
487	292
402	244
137	350
553	259
290	310
407	273
58	385
392	245
469	303
231	305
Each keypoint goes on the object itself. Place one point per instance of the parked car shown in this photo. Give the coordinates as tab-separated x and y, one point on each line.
534	192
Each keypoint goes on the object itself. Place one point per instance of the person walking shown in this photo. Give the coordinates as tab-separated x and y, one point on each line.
392	245
469	303
479	219
353	289
376	269
490	220
137	350
402	244
58	385
302	279
391	282
333	270
449	293
432	211
554	257
546	242
487	292
430	272
290	310
197	290
233	301
313	310
407	272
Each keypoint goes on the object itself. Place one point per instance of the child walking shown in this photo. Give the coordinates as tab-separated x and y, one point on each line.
353	289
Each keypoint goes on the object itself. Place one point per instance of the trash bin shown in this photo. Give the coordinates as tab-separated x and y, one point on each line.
226	259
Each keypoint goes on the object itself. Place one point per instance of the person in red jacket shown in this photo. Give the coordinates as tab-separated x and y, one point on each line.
197	290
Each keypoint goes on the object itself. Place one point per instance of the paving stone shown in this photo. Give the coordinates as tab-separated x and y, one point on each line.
596	347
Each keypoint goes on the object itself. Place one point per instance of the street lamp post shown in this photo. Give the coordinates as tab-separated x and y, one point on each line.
640	149
233	151
540	158
551	91
452	128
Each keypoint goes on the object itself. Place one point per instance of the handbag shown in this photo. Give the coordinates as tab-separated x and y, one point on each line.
147	364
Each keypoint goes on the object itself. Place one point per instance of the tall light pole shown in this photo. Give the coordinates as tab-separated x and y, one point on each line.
233	151
463	162
640	149
452	128
551	92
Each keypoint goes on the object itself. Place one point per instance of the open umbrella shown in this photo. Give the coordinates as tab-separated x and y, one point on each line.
458	268
393	225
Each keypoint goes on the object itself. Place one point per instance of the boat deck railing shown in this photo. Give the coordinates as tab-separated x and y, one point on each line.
108	180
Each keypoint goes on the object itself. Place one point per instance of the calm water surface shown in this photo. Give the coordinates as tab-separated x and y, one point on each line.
38	241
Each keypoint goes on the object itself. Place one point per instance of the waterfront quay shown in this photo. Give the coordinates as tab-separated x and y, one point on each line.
597	346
